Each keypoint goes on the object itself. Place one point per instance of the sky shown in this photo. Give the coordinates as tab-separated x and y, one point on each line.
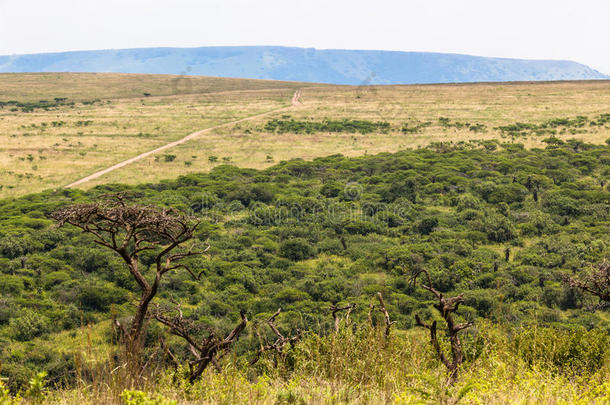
530	29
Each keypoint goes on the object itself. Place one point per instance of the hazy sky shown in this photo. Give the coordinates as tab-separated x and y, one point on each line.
540	29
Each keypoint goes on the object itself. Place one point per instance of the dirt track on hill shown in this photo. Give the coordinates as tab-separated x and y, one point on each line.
296	101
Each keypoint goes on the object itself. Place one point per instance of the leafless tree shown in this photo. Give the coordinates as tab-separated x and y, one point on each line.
207	350
280	342
370	315
129	230
386	315
596	282
335	312
446	308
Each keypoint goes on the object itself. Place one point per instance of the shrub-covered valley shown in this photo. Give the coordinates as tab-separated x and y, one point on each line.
506	226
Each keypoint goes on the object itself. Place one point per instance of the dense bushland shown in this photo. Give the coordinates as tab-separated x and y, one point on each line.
506	227
31	106
311	127
555	126
45	105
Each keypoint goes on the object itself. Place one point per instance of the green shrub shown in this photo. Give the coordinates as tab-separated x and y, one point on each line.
55	278
99	296
562	205
29	325
309	127
427	225
37	390
12	285
296	249
330	246
331	190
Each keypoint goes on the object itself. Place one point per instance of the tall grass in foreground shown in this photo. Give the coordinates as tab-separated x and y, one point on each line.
533	366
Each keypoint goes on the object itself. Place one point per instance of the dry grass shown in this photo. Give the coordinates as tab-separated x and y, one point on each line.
360	368
37	155
125	123
490	104
91	86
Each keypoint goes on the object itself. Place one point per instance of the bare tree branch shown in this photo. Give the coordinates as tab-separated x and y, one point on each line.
279	344
386	315
211	347
446	307
335	312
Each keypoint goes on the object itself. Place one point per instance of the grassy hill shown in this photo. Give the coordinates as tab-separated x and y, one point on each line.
80	87
103	119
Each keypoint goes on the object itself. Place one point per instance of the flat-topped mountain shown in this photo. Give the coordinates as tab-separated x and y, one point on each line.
304	65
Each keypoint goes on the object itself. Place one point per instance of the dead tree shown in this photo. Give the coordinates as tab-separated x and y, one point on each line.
596	283
280	342
335	312
386	315
446	307
370	315
130	230
207	350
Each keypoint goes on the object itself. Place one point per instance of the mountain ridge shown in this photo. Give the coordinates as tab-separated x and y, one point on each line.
333	66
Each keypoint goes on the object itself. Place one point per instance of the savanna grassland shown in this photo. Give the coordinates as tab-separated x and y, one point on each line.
50	144
309	249
115	117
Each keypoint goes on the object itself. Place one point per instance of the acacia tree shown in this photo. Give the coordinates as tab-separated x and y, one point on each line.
130	230
446	307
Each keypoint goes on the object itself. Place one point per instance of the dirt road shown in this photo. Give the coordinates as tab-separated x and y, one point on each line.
295	102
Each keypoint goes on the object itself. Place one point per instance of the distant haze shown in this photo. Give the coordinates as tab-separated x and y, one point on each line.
540	29
303	65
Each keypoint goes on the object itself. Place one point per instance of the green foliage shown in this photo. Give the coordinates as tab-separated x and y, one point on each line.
427	225
11	285
29	325
100	296
304	235
573	351
32	106
311	127
416	128
447	123
37	390
296	249
5	396
552	127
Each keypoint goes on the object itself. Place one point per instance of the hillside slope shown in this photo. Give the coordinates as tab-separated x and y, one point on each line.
306	65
